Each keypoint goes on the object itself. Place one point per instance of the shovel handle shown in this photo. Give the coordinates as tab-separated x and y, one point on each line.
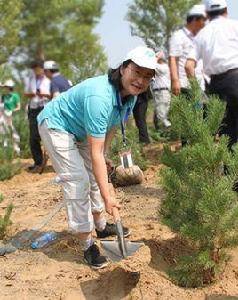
116	215
115	211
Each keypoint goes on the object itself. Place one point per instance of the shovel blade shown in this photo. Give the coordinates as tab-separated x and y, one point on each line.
113	250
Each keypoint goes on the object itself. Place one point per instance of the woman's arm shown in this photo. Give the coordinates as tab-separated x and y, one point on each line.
108	141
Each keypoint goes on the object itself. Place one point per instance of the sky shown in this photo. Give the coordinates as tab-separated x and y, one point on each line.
114	29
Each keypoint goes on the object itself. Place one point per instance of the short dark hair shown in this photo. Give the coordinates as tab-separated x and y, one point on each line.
216	13
37	63
194	18
114	75
10	88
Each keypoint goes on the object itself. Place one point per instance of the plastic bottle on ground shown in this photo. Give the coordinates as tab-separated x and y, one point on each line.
44	240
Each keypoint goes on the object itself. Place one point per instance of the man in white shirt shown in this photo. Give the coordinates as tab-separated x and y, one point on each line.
181	43
217	46
37	90
160	88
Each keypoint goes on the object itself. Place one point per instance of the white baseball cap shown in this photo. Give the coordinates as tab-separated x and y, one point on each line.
143	56
197	10
9	83
50	65
212	5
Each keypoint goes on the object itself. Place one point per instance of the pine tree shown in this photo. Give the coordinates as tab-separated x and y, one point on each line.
10	27
200	205
9	165
61	31
5	220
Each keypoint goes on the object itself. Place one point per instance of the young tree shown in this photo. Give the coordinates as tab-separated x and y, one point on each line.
5	220
200	206
9	165
62	31
10	26
155	20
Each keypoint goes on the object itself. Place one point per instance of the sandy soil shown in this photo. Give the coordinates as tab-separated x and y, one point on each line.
58	272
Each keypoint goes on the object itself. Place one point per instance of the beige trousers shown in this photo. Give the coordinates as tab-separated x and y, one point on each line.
72	163
162	105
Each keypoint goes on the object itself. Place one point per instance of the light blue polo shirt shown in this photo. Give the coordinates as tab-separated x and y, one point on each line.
89	108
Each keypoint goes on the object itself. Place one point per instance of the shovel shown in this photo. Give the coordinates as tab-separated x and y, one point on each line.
119	249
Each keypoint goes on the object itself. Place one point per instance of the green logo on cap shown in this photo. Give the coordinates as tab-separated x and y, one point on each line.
149	53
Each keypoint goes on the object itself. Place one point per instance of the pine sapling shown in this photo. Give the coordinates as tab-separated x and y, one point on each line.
9	166
200	205
5	220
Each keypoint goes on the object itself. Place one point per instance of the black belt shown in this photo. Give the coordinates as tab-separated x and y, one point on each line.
222	75
161	89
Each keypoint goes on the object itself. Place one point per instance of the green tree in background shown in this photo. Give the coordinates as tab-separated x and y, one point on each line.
9	28
5	72
62	31
155	20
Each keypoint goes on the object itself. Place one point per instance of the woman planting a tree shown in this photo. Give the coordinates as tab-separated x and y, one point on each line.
77	129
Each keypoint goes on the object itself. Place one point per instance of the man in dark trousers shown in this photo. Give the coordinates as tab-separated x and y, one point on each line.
58	83
139	113
37	90
217	46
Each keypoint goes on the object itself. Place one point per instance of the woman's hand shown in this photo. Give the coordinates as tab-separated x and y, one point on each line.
110	203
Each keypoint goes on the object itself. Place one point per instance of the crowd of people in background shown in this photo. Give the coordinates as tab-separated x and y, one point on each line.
44	83
170	75
195	50
205	48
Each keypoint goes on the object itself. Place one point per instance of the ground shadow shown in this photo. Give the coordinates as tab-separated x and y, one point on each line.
154	151
221	297
47	169
64	248
118	284
164	253
143	191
